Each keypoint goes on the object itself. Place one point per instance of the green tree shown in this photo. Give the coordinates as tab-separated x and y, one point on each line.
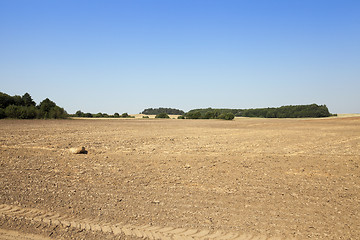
46	105
18	101
6	100
12	111
27	100
79	114
98	115
193	115
209	115
57	113
2	113
162	115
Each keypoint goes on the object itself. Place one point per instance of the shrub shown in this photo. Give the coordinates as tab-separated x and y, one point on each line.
79	114
46	105
57	113
229	116
27	99
193	115
12	111
2	113
181	117
162	115
98	115
6	100
29	112
145	117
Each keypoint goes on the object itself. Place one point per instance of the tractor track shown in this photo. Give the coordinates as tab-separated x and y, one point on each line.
145	232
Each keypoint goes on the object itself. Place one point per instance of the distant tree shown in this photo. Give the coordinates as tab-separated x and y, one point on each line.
229	116
125	115
162	115
57	113
48	109
98	115
79	114
116	115
193	115
209	115
12	111
24	107
2	113
88	115
28	112
27	100
6	100
170	111
46	105
18	101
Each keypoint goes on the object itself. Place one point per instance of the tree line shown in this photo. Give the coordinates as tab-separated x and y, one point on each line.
209	113
291	111
79	113
156	111
24	107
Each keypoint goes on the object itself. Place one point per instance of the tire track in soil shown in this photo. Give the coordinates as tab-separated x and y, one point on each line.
14	235
145	232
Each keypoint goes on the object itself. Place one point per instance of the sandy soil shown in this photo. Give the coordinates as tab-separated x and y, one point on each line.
261	177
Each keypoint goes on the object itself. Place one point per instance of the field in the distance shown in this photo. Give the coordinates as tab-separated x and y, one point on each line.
263	177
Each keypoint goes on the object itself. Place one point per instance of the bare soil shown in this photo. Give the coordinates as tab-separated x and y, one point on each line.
289	178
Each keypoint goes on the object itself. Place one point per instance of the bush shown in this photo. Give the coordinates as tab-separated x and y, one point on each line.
229	116
57	113
29	112
145	117
98	115
46	105
79	114
181	117
6	100
2	113
162	115
193	115
12	111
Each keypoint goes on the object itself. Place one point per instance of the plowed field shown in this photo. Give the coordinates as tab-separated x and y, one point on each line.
181	179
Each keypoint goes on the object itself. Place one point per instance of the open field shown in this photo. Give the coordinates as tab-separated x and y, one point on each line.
181	179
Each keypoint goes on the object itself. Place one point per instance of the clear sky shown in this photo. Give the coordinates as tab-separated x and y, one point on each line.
128	55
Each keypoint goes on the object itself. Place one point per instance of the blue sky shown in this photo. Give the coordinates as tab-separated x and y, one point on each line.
128	55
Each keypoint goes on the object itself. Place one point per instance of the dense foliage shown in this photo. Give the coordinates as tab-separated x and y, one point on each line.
296	111
155	111
162	115
79	113
23	107
215	112
209	113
